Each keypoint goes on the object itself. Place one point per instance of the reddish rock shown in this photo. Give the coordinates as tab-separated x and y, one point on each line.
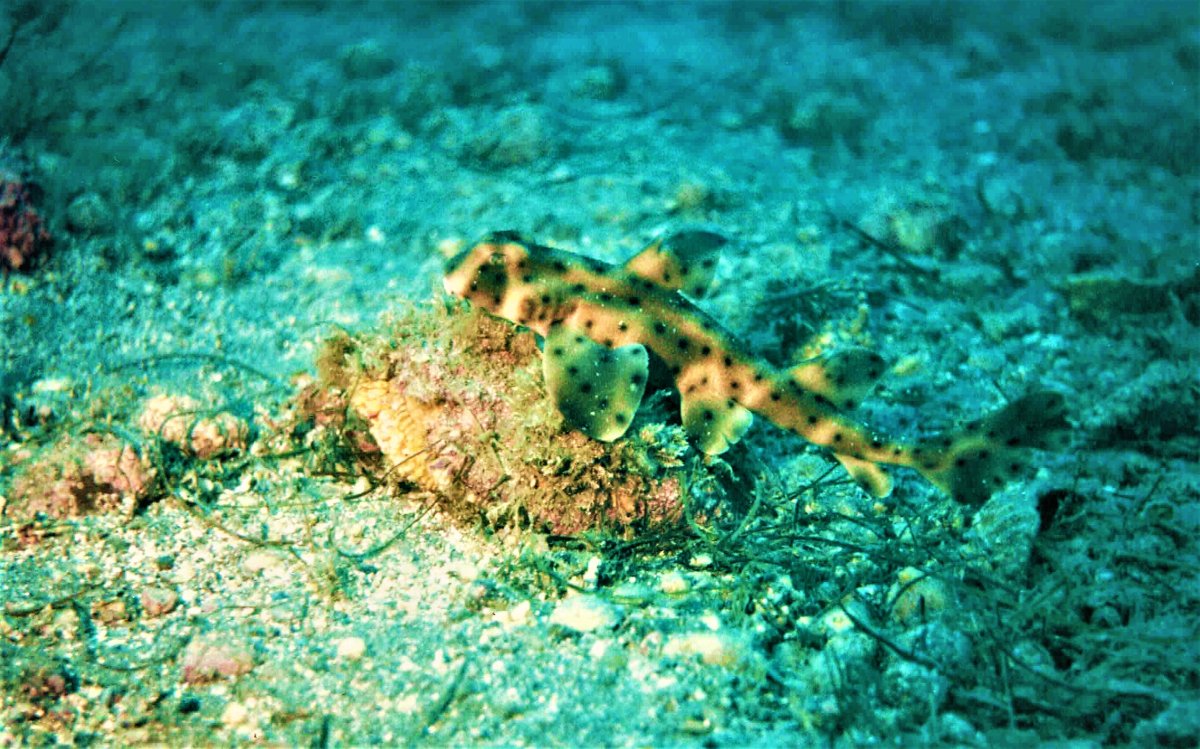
209	658
24	237
74	477
158	601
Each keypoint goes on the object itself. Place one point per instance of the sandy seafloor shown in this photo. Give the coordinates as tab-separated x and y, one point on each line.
229	183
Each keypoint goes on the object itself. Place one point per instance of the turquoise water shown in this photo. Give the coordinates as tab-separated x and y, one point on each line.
993	196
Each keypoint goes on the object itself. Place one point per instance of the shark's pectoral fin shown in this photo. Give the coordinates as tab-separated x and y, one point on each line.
597	389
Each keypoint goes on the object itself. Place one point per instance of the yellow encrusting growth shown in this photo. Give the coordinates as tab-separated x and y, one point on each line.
599	321
397	424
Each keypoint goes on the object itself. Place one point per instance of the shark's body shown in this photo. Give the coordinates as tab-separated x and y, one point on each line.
599	321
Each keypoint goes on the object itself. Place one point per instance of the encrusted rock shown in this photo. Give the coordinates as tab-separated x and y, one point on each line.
24	237
73	477
1003	530
922	220
198	431
514	136
89	214
457	407
1104	295
367	59
212	657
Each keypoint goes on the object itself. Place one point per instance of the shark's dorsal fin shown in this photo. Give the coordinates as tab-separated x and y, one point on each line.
844	377
597	389
684	261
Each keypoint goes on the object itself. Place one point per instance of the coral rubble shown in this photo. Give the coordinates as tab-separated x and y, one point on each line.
456	406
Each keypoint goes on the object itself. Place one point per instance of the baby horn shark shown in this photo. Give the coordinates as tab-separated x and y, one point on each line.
600	322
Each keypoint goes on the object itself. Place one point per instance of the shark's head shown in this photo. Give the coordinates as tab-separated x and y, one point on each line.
484	274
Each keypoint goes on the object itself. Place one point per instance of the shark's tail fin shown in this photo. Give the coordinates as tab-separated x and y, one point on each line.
987	454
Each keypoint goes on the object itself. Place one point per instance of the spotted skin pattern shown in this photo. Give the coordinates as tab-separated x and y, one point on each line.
600	320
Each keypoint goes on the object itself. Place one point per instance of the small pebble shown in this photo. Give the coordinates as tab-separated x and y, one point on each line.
562	173
52	385
592	573
159	601
110	612
89	214
517	616
184	572
351	648
634	594
714	648
235	714
673	584
584	613
700	726
260	561
598	82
